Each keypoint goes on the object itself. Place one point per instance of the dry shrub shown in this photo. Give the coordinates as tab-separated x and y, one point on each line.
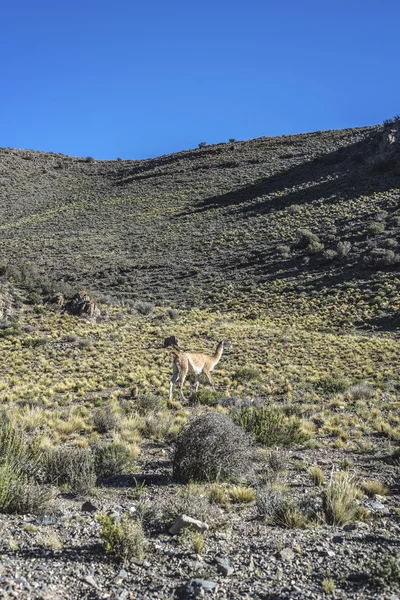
212	448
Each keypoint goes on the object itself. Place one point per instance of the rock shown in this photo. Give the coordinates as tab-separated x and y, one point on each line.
338	539
171	341
91	581
286	554
47	520
350	527
223	566
118	579
185	522
201	584
374	505
89	507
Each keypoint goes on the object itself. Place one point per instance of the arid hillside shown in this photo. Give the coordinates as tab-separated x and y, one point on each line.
264	222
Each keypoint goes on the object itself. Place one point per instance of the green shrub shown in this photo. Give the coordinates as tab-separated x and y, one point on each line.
19	464
270	426
375	228
123	540
204	396
70	467
104	420
245	374
333	384
112	459
384	570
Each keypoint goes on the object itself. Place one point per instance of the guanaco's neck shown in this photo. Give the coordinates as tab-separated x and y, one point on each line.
218	352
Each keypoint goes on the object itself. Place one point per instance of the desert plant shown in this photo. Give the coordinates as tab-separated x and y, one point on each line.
211	448
202	144
112	459
361	391
104	420
70	467
384	570
242	495
144	308
278	461
328	585
373	487
317	475
343	248
204	396
333	384
270	426
339	499
123	540
244	374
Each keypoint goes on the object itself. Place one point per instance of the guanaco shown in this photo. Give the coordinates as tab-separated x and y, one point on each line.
195	362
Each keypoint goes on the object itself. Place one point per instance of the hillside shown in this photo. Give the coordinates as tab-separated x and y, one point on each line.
217	226
288	249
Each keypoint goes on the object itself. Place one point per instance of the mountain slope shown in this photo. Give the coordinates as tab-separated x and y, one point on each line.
213	225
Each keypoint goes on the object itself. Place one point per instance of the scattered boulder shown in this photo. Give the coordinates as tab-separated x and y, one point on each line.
81	305
223	566
171	342
185	522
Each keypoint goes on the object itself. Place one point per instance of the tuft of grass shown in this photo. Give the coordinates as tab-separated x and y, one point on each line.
242	495
339	499
373	487
328	585
197	539
112	459
246	374
317	475
384	570
124	541
270	426
50	540
217	495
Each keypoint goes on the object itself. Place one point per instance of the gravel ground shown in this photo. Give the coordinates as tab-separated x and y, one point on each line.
61	555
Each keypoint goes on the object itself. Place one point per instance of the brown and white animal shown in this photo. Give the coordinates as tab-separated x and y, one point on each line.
195	362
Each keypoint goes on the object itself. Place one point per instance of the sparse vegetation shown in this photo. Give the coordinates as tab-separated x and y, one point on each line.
124	541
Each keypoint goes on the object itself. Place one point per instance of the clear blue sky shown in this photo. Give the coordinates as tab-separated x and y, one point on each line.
136	79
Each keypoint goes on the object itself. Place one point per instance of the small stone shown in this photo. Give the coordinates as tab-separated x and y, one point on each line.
350	527
120	577
47	520
89	507
91	581
286	554
184	522
223	566
338	539
375	505
204	584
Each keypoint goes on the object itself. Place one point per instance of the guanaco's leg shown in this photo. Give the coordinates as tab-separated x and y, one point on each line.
196	385
174	378
183	373
208	375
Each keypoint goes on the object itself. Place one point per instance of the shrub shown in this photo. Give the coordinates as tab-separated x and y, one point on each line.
144	308
232	140
270	426
343	249
384	570
276	508
381	257
202	144
315	247
306	237
339	499
204	396
376	227
211	448
173	314
19	460
329	254
247	374
104	420
112	459
333	384
283	250
90	159
361	391
278	461
123	540
72	467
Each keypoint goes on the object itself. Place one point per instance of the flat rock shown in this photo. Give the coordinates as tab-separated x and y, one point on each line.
286	554
223	566
89	507
185	522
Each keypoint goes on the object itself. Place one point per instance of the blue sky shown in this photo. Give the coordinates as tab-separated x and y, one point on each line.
136	79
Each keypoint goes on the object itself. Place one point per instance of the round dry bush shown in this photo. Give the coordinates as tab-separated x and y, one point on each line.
212	448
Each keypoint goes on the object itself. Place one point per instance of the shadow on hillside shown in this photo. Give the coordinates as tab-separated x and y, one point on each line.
343	173
129	481
84	554
128	174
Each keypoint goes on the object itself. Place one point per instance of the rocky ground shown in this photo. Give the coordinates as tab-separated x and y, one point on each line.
59	555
